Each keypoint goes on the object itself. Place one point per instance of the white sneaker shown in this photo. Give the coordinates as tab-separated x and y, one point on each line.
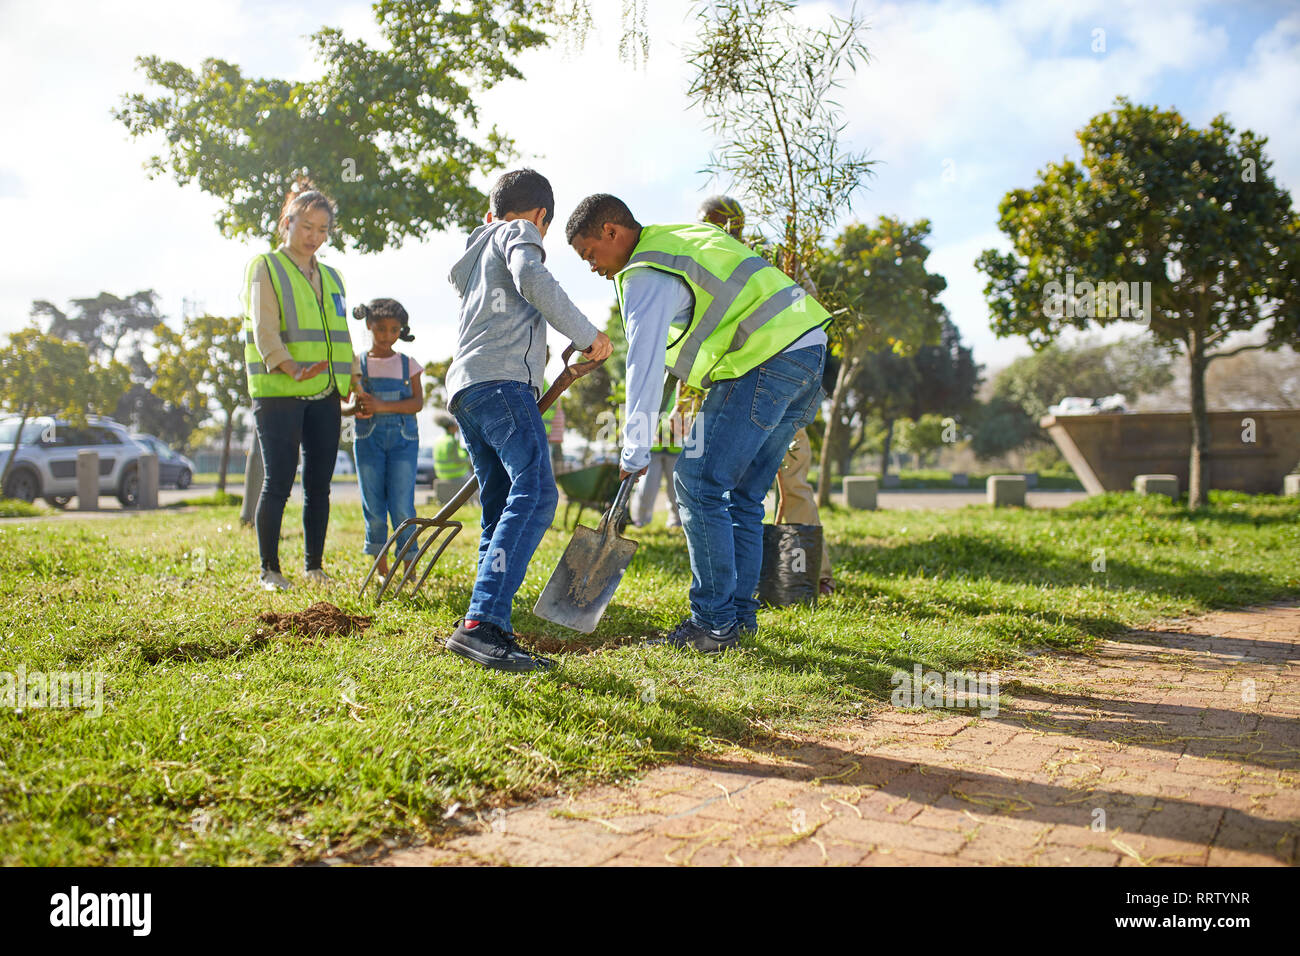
274	581
320	578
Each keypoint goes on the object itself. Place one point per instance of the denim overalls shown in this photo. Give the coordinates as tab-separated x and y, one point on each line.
387	446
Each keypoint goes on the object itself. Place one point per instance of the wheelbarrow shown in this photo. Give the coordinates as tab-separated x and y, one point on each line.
442	526
590	487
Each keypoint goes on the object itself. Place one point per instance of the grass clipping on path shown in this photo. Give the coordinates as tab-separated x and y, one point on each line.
346	723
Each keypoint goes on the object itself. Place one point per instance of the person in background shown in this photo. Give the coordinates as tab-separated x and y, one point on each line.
797	502
387	444
450	463
299	361
553	419
663	460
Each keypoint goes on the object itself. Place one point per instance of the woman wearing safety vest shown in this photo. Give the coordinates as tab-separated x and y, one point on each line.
724	319
299	360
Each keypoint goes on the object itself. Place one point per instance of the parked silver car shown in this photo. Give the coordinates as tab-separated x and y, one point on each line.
45	465
173	467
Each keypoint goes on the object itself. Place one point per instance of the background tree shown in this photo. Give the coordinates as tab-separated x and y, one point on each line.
43	374
201	366
1132	366
876	278
104	322
384	130
1193	212
766	86
601	390
1023	392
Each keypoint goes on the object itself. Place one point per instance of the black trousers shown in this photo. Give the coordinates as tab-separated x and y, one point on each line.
283	426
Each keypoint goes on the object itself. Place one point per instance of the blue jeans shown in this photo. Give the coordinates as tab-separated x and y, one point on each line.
739	438
386	473
507	447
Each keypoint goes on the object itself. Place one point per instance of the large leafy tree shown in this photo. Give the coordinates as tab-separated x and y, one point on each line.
203	366
876	277
391	131
43	374
1193	212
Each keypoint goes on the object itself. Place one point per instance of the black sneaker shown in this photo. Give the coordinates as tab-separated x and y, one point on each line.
747	630
702	639
492	647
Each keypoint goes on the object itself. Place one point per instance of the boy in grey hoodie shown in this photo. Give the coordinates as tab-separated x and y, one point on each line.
507	299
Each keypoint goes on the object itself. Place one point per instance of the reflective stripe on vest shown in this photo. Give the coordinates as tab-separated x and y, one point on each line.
312	330
746	309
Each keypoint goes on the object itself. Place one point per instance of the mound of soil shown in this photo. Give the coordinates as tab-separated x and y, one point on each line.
322	619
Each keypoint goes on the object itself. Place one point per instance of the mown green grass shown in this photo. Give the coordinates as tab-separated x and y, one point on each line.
220	745
14	508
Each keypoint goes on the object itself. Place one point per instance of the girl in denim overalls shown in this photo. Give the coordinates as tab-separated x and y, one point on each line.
387	437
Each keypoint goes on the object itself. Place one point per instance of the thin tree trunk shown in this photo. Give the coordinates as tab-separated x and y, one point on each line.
833	427
1200	422
884	453
225	452
9	461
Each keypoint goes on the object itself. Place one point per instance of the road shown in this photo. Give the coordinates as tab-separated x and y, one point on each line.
893	499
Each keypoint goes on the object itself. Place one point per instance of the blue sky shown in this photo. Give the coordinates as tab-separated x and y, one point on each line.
989	92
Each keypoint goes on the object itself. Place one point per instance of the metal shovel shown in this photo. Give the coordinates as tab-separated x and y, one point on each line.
415	549
584	582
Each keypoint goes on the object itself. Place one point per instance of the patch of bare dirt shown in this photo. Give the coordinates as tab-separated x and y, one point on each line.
322	619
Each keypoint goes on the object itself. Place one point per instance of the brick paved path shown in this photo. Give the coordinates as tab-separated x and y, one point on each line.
1161	738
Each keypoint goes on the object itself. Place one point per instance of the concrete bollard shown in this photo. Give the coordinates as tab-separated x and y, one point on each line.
860	492
87	480
1157	485
147	474
1031	479
960	479
1004	490
1291	485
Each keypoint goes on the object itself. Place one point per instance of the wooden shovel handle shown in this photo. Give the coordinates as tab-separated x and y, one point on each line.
566	378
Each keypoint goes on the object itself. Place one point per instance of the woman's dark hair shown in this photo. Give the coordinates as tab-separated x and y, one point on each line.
385	309
592	214
303	196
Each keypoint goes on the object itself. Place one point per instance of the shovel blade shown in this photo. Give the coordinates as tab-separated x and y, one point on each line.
584	582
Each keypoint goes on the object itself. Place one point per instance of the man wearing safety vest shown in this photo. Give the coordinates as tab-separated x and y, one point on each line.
796	502
721	318
450	463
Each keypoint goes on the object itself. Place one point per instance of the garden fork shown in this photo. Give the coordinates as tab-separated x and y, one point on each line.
442	521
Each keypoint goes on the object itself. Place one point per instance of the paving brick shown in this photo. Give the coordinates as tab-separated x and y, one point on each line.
1187	772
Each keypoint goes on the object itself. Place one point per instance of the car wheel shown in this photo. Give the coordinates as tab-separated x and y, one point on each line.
128	490
58	501
22	485
184	478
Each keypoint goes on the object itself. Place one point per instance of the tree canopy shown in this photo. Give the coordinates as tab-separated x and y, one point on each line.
1188	223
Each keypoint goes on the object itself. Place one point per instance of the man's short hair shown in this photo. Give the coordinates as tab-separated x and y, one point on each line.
596	210
521	190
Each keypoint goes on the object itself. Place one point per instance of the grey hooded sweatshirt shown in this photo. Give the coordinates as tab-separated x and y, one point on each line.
507	297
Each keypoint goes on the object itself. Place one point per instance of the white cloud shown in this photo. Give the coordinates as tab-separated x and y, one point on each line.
1264	95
